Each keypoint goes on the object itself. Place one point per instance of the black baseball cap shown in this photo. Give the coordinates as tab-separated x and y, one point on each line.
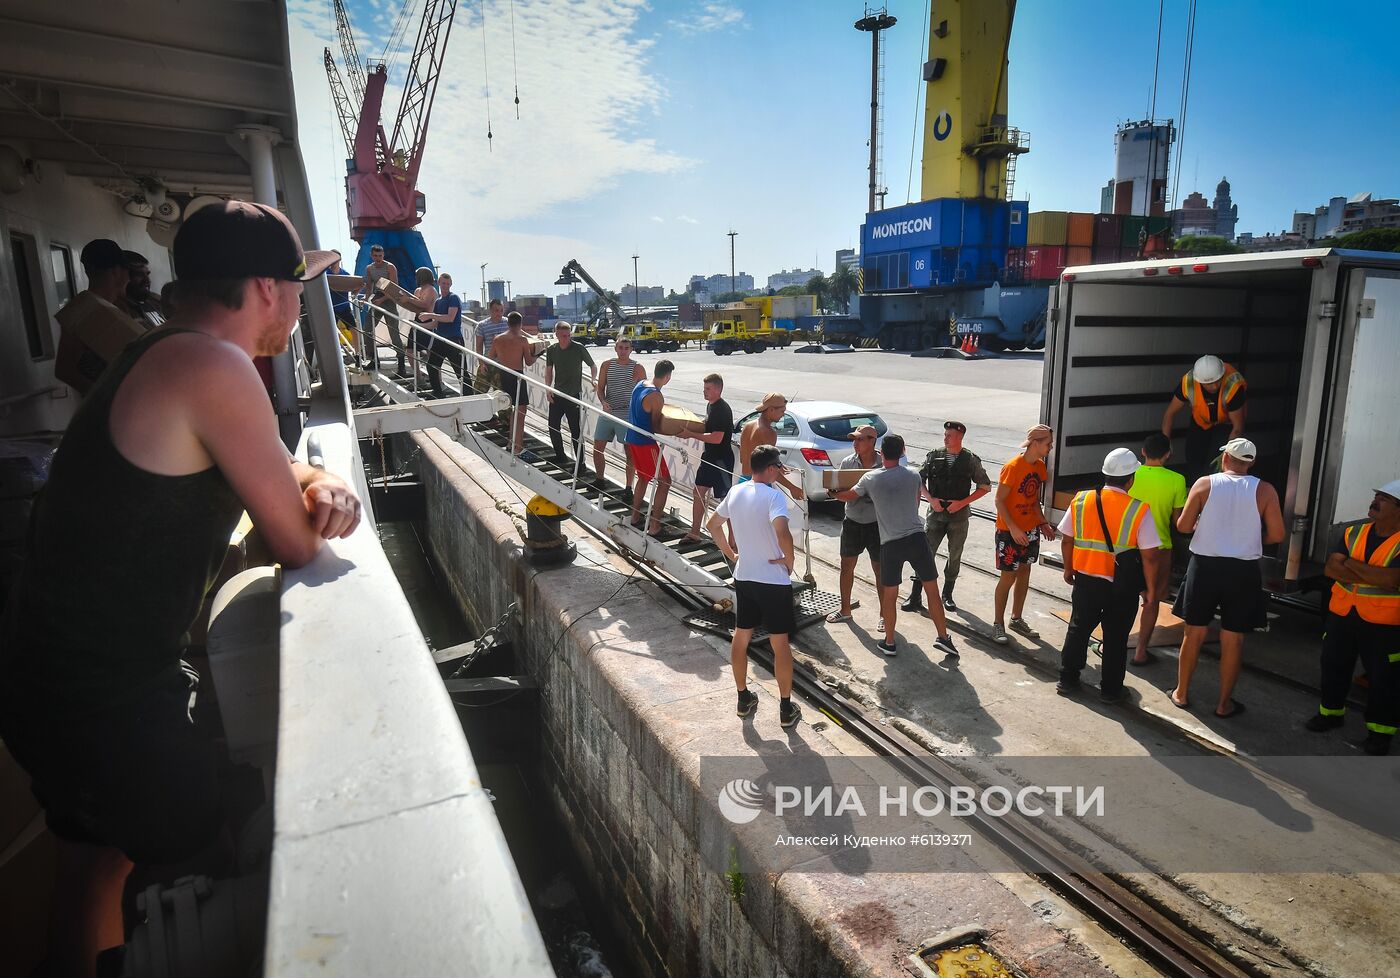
234	239
100	254
955	426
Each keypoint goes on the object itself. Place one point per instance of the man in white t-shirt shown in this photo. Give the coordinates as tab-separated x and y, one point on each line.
757	540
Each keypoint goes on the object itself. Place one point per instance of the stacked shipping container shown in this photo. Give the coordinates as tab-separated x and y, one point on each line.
1057	240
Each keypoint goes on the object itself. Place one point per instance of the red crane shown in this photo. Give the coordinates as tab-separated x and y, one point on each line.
381	181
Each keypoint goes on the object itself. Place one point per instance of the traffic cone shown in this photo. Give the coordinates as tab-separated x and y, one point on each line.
967	343
976	342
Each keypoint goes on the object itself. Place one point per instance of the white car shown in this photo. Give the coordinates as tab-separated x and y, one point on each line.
815	436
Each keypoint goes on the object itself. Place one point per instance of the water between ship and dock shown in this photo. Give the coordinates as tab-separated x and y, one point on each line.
502	733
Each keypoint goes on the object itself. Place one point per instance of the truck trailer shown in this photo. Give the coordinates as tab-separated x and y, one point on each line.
1316	334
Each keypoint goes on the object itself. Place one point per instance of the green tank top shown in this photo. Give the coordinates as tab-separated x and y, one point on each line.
117	565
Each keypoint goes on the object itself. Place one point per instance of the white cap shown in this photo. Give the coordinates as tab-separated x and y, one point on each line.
1240	448
1391	489
1208	369
1120	461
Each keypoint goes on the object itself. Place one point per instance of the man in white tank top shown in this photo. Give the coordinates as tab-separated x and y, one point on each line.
1233	516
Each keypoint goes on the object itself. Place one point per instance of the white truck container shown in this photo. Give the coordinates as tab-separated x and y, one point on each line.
1316	334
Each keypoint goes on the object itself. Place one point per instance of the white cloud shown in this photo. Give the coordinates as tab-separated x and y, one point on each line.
711	16
581	131
686	219
658	220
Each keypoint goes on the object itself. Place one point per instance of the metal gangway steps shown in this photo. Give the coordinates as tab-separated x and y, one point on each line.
697	566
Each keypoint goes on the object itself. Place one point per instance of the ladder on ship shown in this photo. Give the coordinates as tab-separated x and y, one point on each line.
698	566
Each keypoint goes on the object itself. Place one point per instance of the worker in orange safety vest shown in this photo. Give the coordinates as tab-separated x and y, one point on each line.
1363	620
1217	395
1099	535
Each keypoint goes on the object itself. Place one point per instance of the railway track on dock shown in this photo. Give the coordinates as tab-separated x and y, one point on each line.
1173	950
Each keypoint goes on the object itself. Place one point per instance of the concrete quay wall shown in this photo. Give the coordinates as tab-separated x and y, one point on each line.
630	700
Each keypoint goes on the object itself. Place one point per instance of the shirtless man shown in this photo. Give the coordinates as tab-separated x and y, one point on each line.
171	445
760	431
384	309
513	349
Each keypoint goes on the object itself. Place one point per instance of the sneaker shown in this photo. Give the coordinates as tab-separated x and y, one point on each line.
944	644
913	604
1116	697
748	702
789	713
625	495
1376	744
1022	627
529	456
1067	687
889	648
948	603
999	635
1318	722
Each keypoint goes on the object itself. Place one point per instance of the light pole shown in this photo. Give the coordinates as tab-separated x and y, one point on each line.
483	284
733	287
636	297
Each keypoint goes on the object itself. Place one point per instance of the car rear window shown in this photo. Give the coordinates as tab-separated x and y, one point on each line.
840	428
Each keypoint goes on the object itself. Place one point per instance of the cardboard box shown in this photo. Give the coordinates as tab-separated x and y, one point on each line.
839	480
93	334
676	419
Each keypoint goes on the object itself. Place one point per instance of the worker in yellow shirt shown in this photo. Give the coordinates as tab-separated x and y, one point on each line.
1217	394
1363	620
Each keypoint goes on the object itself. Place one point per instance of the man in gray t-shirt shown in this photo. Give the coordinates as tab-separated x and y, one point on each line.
895	492
860	531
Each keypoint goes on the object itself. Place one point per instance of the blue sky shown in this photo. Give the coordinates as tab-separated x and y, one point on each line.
655	128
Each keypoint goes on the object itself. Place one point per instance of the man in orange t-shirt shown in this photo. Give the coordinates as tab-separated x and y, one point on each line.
1020	525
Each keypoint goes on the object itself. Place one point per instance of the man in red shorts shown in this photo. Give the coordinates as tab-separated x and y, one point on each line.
1020	526
645	453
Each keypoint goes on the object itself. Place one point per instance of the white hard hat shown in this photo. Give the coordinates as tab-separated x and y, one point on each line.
1208	369
1240	448
1391	489
1120	462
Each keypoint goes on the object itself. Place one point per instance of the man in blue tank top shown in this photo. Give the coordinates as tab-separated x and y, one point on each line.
173	443
645	413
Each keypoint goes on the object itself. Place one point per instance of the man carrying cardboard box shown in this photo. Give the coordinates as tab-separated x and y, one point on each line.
93	328
860	532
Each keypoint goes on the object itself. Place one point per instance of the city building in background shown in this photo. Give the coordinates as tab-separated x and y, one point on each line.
847	257
495	289
1343	215
1142	152
1197	216
1106	198
798	276
646	295
1283	241
571	305
719	284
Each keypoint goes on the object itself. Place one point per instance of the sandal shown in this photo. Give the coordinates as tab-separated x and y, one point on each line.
1236	708
837	617
1150	658
1179	706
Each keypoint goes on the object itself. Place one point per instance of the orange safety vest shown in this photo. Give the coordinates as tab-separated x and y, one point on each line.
1094	552
1374	604
1195	395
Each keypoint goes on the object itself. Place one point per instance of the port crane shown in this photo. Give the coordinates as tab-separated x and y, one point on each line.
572	273
382	197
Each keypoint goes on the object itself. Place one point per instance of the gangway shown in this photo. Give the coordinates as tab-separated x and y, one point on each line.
698	566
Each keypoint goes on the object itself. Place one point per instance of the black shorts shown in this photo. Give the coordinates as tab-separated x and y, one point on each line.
1011	555
769	605
912	550
138	776
715	475
1233	587
516	389
858	538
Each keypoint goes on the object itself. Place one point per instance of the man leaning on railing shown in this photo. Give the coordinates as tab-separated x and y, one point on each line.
173	443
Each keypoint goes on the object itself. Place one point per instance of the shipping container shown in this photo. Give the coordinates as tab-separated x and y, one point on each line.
1017	271
1107	254
1108	231
1019	219
1079	230
1047	228
1045	261
1136	228
1078	255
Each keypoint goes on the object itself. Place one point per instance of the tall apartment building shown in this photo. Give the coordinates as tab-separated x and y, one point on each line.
798	276
719	284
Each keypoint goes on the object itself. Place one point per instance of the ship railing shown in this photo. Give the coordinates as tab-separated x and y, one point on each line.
386	853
